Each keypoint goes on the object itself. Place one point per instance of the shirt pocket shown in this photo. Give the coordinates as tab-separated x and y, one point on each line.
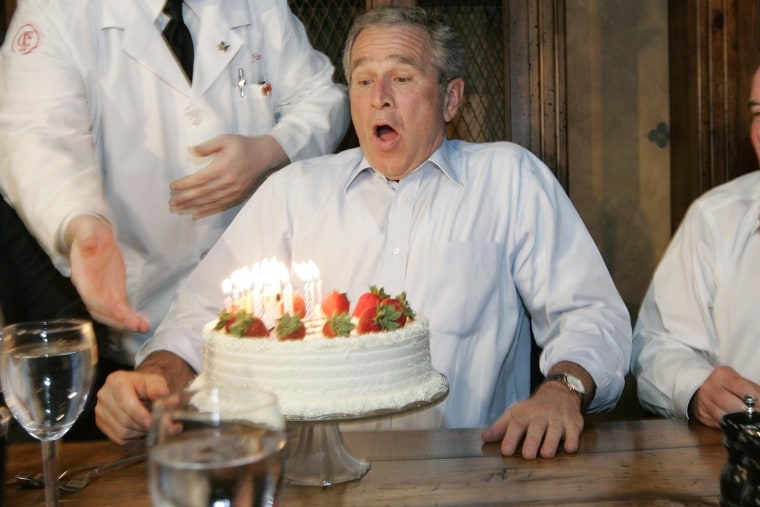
252	88
255	111
463	286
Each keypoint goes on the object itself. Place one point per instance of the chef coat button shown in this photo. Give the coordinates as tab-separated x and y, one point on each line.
396	251
195	118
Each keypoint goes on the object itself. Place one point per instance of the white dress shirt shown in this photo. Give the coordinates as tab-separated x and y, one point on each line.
702	308
96	117
481	237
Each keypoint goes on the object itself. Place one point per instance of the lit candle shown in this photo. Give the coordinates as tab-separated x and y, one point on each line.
227	291
257	290
287	288
317	283
312	292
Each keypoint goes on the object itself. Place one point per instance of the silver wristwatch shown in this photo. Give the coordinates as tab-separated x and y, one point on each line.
572	382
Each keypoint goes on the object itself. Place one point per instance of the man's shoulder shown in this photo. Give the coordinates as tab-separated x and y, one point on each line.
59	19
503	148
343	160
322	170
499	160
743	191
497	154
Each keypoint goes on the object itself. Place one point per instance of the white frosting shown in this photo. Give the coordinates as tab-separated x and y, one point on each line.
320	376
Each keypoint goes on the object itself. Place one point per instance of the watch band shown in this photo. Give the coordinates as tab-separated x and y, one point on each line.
571	382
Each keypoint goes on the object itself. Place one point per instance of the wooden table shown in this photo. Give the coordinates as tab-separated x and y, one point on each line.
651	462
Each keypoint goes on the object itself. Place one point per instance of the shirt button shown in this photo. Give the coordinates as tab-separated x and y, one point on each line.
195	118
396	251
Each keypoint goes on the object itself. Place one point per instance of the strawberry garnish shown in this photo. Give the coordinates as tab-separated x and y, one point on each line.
257	329
383	317
335	303
369	299
247	325
367	322
401	298
299	306
224	320
398	307
290	327
228	318
338	325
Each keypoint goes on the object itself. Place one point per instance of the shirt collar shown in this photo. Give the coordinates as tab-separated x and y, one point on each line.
440	159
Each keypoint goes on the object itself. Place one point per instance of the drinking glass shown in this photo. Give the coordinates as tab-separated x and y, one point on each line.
46	370
216	447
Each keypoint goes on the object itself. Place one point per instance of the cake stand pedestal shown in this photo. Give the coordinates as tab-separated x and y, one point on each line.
320	458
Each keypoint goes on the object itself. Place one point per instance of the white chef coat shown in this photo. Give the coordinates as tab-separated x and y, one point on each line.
96	118
481	237
701	310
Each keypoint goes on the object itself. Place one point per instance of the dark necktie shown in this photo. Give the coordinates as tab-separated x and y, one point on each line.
178	36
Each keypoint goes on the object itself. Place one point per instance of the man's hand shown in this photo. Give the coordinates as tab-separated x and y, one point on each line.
99	274
123	409
552	414
720	394
238	164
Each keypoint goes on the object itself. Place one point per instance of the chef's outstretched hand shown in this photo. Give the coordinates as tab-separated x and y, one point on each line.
99	274
237	165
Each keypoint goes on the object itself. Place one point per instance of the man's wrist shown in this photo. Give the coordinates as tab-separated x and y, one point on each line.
572	383
68	231
170	366
575	379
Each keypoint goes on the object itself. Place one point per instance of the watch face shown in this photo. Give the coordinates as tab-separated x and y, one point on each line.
576	384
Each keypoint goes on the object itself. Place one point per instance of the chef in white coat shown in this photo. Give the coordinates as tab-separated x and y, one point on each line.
126	169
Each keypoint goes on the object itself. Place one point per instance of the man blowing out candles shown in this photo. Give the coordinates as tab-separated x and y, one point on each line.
481	237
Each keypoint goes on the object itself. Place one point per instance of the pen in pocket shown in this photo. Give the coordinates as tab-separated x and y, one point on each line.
241	82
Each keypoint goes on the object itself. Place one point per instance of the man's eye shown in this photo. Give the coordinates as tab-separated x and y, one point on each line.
402	79
364	82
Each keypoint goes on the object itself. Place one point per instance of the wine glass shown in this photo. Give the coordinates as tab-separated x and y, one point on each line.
47	369
216	446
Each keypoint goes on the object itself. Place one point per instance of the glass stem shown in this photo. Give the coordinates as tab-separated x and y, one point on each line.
50	472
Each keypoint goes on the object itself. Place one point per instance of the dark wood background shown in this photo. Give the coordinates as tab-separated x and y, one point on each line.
714	50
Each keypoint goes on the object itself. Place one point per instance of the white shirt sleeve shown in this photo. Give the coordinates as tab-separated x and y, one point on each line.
675	340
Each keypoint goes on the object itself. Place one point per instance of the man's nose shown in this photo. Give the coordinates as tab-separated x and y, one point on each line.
382	96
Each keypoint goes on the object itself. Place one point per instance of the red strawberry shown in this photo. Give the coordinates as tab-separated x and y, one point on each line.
367	321
369	299
335	303
228	318
257	329
338	325
398	307
224	320
401	298
290	327
383	317
299	306
247	325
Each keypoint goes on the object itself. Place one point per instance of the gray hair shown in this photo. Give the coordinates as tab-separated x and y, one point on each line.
447	52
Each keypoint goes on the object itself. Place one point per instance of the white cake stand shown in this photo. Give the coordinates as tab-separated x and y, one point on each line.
320	457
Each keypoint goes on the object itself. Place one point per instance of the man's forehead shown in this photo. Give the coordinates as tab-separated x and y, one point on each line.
403	44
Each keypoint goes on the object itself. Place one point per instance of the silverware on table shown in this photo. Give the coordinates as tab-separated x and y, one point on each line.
75	479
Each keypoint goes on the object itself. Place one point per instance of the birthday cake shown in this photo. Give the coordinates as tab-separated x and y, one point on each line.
321	357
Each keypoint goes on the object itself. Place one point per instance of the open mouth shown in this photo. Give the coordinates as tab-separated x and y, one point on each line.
385	132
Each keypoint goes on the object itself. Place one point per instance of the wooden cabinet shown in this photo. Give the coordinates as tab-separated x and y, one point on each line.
714	50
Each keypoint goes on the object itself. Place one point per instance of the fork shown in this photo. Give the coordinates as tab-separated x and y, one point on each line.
77	478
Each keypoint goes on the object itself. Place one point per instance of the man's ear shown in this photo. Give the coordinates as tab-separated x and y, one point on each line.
452	98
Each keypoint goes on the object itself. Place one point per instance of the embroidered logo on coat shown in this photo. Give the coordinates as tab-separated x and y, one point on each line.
26	40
